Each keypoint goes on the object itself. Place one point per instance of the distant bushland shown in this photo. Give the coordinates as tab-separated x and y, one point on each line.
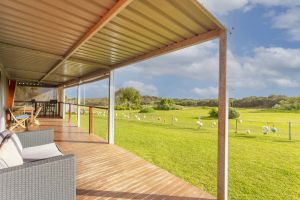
247	102
130	99
292	103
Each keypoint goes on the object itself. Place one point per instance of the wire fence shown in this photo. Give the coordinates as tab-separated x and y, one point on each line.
287	130
275	129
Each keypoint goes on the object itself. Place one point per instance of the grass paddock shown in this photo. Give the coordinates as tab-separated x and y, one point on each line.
260	166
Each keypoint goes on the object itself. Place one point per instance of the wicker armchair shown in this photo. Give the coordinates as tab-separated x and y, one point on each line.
48	179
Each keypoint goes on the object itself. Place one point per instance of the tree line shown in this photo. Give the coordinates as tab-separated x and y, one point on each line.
130	98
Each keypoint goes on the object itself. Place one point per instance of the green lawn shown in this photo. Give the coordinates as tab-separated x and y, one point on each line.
260	166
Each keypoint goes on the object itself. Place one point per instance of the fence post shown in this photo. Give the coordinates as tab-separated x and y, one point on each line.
90	120
290	130
70	112
236	125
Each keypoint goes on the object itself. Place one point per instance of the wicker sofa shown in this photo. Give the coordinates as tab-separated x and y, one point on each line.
47	179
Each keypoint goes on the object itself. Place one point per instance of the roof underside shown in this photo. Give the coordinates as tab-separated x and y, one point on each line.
64	42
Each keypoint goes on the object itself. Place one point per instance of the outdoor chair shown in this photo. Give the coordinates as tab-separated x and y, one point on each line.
17	121
34	119
45	174
51	108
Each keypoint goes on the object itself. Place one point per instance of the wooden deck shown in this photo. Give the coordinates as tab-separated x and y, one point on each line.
109	172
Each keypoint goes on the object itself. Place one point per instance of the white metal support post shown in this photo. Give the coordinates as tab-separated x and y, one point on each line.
111	108
64	105
2	100
78	105
222	122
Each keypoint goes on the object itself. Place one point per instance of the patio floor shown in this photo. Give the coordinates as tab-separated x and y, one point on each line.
110	172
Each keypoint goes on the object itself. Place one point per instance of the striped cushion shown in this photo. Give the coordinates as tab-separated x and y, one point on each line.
4	135
17	142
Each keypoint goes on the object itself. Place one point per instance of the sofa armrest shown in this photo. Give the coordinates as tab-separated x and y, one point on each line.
36	138
49	179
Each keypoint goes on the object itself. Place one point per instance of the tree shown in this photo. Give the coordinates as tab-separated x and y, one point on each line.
233	113
292	103
166	104
128	98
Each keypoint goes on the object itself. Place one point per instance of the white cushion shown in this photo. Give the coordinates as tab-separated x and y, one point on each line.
9	154
4	134
17	142
40	152
2	164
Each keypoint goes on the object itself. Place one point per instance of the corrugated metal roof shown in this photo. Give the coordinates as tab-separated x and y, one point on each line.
64	41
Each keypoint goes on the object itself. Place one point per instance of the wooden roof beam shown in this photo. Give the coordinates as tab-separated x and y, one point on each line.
116	9
173	47
210	35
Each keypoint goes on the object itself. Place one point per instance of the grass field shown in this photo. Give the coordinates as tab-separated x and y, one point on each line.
260	166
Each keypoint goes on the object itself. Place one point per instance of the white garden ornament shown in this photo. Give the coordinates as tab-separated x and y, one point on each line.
265	130
199	123
213	124
274	129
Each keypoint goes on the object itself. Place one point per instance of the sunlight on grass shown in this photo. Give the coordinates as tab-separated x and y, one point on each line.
260	166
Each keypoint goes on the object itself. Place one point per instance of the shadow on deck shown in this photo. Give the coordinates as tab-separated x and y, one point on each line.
109	172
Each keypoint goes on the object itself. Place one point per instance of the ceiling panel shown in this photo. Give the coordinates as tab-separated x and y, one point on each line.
77	69
59	41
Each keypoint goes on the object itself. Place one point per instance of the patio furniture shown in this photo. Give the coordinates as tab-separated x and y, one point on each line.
52	108
34	119
18	121
47	179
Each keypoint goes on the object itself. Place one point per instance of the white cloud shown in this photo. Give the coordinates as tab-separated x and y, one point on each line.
223	7
264	68
285	83
270	3
267	66
288	20
192	62
142	87
210	92
275	58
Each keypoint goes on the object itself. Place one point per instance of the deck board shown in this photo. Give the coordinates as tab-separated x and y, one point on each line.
110	172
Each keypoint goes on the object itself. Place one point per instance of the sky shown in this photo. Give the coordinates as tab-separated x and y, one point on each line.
263	57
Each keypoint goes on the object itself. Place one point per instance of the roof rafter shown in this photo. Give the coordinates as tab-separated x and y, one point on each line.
117	8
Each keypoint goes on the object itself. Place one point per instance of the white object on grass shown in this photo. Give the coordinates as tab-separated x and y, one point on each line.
265	129
199	123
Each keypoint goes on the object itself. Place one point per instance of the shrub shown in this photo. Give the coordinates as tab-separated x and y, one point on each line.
213	113
166	104
128	98
233	113
147	110
121	107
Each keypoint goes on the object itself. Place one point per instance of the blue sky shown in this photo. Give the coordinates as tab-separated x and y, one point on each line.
263	56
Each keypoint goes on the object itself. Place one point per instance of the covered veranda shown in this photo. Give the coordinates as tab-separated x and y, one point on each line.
107	171
65	44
